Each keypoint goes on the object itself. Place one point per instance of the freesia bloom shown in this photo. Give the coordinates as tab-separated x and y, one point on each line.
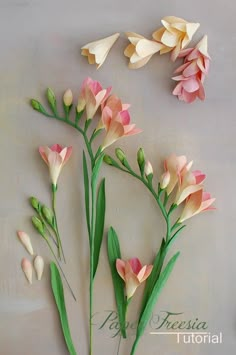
192	73
175	35
133	274
189	183
97	51
140	50
117	125
175	165
92	95
55	157
115	105
198	202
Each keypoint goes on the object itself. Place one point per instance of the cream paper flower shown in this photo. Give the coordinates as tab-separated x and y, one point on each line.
175	35
97	51
140	50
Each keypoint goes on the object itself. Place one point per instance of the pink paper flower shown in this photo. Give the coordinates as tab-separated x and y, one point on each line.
198	202
189	182
133	274
117	125
192	73
92	96
55	157
174	166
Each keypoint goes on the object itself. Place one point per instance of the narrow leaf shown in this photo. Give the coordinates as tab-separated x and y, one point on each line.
99	226
113	249
58	293
86	192
96	170
160	283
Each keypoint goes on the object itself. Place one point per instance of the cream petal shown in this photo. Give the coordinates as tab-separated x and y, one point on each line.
39	266
25	240
191	28
140	63
27	269
129	50
182	195
146	47
202	46
173	19
170	39
157	35
131	285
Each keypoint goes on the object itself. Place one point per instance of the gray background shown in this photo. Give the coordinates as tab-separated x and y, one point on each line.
40	46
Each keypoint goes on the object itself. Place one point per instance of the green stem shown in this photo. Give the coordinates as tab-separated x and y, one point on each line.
63	274
60	249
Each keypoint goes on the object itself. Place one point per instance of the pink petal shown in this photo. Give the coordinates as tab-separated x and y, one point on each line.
135	265
178	89
56	148
191	69
125	117
191	85
43	154
201	91
189	97
120	267
181	68
185	52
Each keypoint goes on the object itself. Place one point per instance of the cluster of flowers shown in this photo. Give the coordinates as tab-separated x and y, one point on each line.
175	34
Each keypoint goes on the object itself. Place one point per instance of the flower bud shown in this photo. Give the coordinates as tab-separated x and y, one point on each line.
38	225
81	105
37	106
148	168
68	98
108	160
141	160
165	179
51	99
35	203
120	155
48	215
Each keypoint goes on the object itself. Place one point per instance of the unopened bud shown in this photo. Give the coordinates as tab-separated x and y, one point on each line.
38	225
108	160
37	106
81	105
120	155
148	168
68	98
35	203
48	215
51	99
165	179
141	160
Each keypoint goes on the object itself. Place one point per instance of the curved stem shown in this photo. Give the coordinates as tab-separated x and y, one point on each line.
60	249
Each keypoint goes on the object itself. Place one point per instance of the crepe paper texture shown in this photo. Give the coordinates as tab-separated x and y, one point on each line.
25	240
39	266
97	51
192	73
140	50
175	35
58	293
27	269
178	185
115	122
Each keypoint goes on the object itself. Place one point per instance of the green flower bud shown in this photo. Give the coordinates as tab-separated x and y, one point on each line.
48	215
141	160
38	225
120	155
51	99
37	106
107	159
35	203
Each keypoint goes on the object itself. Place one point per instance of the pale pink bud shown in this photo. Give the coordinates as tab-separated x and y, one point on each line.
148	168
165	179
39	266
68	97
27	269
25	240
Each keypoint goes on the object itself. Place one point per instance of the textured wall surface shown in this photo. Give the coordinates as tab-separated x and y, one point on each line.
40	46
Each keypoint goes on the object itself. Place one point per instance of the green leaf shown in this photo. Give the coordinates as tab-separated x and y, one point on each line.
86	192
58	293
99	226
160	283
113	250
96	170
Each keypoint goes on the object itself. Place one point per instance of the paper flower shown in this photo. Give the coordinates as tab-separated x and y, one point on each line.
68	98
25	240
117	125
97	51
27	269
133	274
92	95
174	166
114	104
140	50
194	70
189	183
55	157
39	266
175	35
198	202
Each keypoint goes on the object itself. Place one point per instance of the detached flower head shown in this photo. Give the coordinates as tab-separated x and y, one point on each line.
92	95
197	202
175	35
133	274
192	73
97	51
117	125
140	50
55	157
